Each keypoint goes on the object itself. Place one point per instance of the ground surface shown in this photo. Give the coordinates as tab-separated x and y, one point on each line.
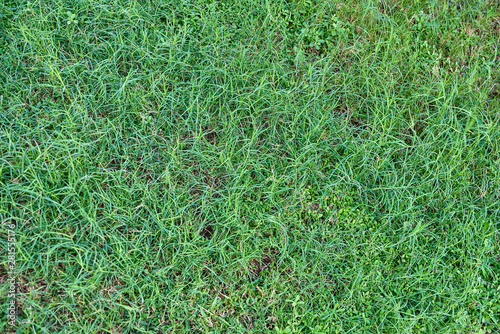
251	166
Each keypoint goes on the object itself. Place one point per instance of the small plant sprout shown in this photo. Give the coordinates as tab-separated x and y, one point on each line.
71	18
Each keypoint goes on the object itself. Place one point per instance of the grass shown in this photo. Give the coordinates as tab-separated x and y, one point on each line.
251	166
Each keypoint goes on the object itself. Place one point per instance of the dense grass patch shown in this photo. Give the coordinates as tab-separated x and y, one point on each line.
251	166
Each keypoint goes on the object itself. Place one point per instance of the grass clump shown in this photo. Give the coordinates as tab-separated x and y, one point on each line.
251	166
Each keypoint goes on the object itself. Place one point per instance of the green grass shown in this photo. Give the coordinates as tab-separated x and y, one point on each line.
251	166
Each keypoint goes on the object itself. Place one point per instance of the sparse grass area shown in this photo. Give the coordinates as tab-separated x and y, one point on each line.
251	166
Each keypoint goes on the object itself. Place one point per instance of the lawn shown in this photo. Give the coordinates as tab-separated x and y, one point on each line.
238	166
